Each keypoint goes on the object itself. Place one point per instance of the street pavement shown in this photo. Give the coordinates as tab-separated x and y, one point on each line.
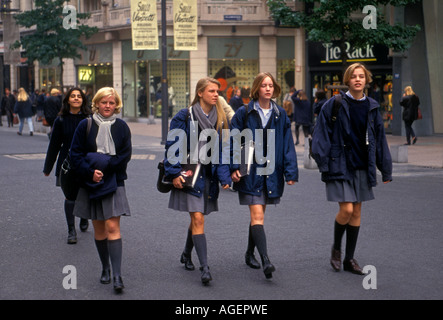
399	242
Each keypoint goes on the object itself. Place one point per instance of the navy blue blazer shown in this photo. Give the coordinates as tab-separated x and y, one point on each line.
331	151
82	145
285	166
219	172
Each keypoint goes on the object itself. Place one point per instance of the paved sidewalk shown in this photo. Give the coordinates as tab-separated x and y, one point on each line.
427	152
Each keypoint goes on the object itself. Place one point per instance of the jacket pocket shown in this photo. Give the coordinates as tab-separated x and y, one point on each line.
337	161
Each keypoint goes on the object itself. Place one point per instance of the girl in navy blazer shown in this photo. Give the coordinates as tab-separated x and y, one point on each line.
348	148
206	113
262	186
100	159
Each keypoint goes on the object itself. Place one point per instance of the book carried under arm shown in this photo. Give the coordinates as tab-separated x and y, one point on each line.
247	157
190	172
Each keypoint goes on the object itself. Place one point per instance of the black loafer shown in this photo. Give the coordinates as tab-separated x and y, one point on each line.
105	277
205	275
186	259
84	224
251	261
118	284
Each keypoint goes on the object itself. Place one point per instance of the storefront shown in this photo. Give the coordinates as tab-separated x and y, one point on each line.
234	62
325	69
285	65
142	73
94	68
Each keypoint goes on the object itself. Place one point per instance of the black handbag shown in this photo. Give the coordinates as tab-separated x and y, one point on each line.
161	185
68	178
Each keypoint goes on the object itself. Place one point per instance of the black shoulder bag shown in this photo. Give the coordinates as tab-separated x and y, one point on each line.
335	109
68	178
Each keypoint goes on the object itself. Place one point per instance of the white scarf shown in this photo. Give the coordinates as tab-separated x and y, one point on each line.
104	141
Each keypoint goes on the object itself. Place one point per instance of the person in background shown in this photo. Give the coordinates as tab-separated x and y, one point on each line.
100	160
410	103
320	99
7	107
52	107
348	149
236	100
302	114
256	190
23	107
74	109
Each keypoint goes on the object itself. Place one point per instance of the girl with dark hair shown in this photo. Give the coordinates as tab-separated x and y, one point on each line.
74	109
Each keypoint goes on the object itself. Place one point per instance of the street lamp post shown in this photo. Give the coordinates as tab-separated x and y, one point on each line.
164	76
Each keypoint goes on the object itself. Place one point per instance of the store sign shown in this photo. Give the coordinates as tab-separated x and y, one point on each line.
144	25
86	75
330	53
185	24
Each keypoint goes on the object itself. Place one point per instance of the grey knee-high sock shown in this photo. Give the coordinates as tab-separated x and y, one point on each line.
103	253
115	248
189	245
69	212
251	244
200	246
259	237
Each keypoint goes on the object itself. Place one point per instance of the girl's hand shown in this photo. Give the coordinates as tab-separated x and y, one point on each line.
178	182
235	176
290	183
98	176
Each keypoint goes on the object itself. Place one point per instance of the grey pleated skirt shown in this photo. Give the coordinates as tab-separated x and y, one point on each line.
182	201
355	190
248	199
113	205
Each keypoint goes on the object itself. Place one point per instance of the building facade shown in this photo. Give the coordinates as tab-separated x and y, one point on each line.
236	40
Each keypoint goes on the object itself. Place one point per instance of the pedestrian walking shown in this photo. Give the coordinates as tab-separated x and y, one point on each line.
236	100
52	107
348	148
100	160
74	109
23	107
302	114
202	198
320	99
258	190
410	103
7	107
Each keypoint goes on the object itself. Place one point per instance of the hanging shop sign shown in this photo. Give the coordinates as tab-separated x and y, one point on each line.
86	75
185	24
330	53
144	25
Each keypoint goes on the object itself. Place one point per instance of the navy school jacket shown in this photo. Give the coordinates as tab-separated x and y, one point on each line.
285	166
219	172
331	151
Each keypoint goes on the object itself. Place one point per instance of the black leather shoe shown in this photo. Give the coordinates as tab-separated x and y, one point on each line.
118	284
106	276
352	266
251	261
186	259
72	235
268	267
205	275
335	259
84	224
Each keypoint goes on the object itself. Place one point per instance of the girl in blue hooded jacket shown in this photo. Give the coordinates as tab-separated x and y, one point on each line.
265	182
348	146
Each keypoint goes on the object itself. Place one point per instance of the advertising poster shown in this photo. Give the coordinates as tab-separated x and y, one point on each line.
185	24
144	25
